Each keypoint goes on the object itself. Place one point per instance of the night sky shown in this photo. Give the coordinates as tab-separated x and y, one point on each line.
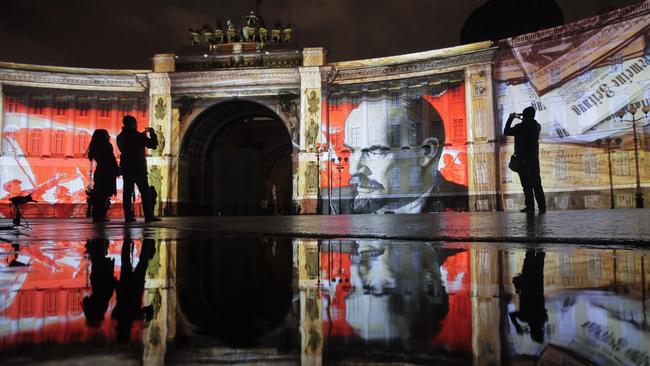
125	34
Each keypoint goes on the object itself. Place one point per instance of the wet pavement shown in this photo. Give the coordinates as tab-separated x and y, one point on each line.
479	289
589	227
276	300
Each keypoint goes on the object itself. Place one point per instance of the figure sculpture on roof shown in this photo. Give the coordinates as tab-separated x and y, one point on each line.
231	32
276	32
218	34
287	33
194	36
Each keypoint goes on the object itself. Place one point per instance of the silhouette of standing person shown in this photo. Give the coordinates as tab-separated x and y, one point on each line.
102	281
130	289
133	165
530	287
526	136
101	150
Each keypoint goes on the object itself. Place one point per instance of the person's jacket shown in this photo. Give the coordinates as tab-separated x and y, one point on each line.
132	146
526	136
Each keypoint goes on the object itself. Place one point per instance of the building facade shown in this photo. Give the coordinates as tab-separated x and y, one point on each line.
262	127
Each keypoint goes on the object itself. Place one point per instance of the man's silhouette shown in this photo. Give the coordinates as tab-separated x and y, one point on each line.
133	166
526	136
530	287
130	289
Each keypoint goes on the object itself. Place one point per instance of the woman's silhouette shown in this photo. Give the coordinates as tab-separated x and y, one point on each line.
101	150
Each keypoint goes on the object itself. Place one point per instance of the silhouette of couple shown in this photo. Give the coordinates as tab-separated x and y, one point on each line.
133	168
129	289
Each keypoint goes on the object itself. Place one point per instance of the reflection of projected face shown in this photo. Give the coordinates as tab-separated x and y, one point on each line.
377	169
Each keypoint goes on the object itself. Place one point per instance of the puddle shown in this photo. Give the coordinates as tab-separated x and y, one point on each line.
299	301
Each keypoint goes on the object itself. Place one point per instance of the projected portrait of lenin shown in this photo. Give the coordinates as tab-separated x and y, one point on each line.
395	145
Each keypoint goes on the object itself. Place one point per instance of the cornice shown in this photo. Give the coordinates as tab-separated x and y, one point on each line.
234	81
68	80
368	73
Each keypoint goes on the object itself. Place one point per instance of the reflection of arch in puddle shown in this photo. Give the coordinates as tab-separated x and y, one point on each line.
236	289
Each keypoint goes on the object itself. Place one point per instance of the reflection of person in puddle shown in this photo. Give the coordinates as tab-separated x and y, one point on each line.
397	291
530	287
130	289
102	281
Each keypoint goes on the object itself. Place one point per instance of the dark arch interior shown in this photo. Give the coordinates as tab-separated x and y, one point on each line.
235	155
238	296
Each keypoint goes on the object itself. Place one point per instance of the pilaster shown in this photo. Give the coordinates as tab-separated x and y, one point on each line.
311	111
483	167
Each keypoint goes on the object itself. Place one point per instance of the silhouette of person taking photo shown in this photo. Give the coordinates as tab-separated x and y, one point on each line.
526	136
530	287
102	281
133	165
101	151
130	289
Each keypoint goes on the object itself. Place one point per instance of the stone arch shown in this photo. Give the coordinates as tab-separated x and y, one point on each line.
232	154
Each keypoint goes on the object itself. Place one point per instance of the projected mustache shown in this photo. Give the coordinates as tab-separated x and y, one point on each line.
362	181
366	204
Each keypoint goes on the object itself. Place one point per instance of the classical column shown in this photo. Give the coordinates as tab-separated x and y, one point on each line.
307	261
311	115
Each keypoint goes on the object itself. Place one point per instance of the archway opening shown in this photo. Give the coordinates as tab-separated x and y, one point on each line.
236	160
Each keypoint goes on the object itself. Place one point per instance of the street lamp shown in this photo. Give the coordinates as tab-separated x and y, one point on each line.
608	143
632	110
339	165
320	148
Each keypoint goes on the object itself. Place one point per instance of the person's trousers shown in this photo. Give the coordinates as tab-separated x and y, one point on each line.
99	205
143	186
531	181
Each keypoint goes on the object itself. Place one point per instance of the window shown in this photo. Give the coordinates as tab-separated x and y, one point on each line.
74	301
27	304
334	104
37	106
561	167
395	179
105	110
13	105
60	108
590	162
395	135
51	302
416	176
126	107
83	108
143	110
35	138
81	144
58	144
10	142
394	100
354	136
622	161
459	131
415	133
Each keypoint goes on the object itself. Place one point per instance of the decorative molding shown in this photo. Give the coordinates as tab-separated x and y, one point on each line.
159	83
415	68
235	82
310	77
60	80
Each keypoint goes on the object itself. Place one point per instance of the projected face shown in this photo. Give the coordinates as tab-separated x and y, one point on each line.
380	167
